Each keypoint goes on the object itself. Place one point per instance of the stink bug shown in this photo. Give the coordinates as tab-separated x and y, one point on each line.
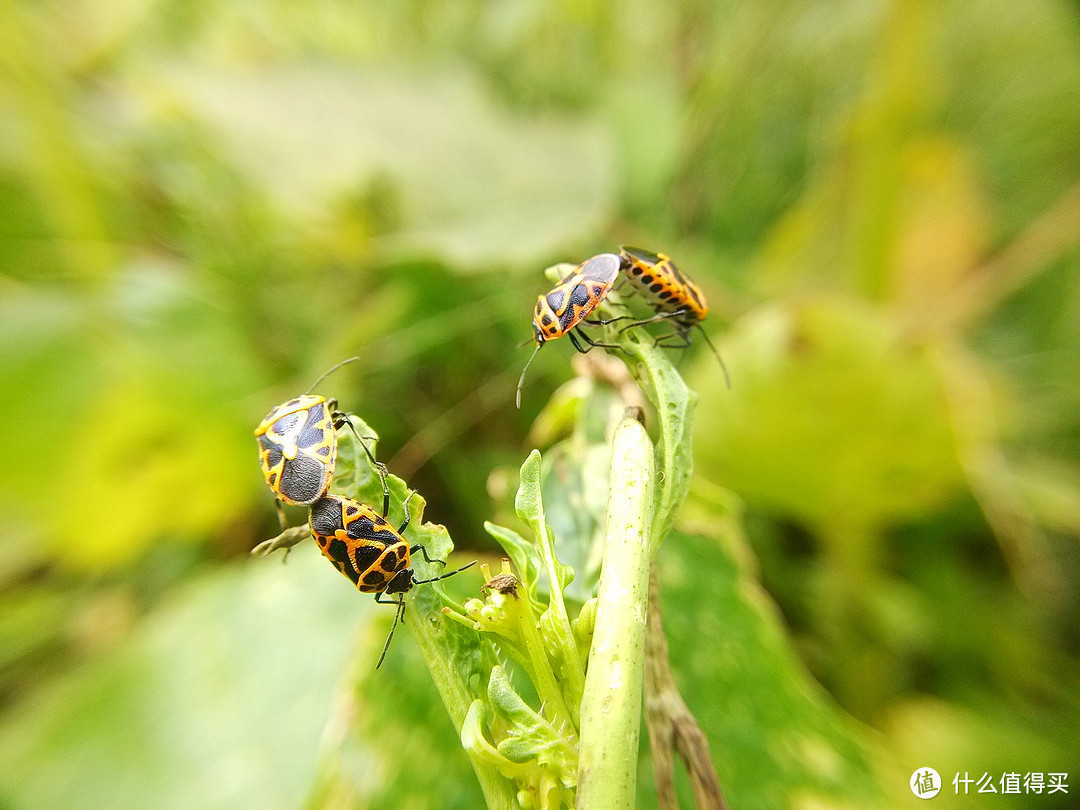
671	294
298	445
571	301
369	551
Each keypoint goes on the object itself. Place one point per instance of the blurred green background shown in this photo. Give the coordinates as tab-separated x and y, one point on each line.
203	206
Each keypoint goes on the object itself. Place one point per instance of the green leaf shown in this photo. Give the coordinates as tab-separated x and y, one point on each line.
574	480
458	177
832	414
529	504
353	472
773	732
218	699
529	736
674	406
407	740
475	741
558	633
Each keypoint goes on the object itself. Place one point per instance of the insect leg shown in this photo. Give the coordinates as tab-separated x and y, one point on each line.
574	336
400	602
340	420
405	506
423	551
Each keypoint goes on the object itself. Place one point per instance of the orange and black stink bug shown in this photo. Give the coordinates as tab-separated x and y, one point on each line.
298	445
368	550
671	294
571	301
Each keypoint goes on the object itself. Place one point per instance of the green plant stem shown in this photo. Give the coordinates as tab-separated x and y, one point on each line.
431	639
542	676
611	707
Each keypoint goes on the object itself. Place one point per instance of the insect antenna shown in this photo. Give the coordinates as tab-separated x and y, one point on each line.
330	371
521	381
446	575
719	359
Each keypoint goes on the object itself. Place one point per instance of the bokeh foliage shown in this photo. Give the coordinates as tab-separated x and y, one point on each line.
203	206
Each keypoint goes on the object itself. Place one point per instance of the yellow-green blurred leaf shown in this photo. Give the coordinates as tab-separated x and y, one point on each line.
831	416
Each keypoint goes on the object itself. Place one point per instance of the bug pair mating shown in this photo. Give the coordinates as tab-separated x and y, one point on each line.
298	453
672	295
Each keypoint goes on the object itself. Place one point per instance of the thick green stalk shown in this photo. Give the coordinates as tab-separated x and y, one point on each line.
611	707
